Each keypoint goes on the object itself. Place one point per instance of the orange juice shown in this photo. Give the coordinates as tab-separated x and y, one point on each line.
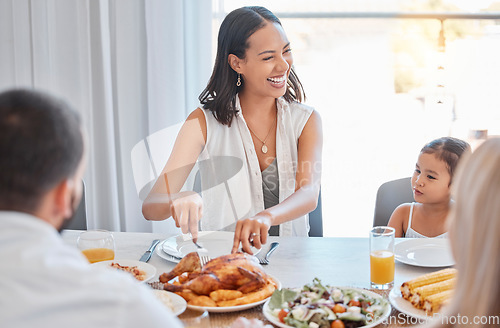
99	254
382	267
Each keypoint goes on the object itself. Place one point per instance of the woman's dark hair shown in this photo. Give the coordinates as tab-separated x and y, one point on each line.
220	94
41	144
448	150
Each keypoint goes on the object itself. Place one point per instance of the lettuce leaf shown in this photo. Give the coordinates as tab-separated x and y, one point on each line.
282	296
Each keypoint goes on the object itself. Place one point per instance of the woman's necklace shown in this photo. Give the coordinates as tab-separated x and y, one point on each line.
264	147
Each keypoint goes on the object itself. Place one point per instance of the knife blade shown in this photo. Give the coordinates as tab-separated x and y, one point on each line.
147	255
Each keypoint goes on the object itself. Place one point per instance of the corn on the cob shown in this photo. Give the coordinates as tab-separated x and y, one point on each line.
433	303
408	287
420	294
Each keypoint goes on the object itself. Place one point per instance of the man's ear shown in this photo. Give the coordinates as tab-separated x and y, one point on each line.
234	62
62	198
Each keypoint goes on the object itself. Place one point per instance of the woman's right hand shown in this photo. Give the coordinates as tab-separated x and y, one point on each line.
187	210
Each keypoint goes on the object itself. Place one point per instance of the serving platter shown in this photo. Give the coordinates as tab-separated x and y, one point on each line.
268	313
227	309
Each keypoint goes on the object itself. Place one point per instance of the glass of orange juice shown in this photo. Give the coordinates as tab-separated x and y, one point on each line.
382	257
97	245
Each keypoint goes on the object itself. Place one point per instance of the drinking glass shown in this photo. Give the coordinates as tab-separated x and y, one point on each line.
97	245
382	257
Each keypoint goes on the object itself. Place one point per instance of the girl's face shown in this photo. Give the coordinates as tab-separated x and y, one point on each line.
430	180
267	62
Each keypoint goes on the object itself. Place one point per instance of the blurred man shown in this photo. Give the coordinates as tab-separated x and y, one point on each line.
43	281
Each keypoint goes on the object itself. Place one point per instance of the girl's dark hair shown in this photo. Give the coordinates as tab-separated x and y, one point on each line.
220	94
448	150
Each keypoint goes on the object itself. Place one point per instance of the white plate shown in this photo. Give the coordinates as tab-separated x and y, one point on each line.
405	306
165	256
216	242
148	268
424	252
226	309
178	303
274	320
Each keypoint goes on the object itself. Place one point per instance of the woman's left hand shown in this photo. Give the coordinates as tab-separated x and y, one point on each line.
251	232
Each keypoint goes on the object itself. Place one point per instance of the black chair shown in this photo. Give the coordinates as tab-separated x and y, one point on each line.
316	220
390	195
79	220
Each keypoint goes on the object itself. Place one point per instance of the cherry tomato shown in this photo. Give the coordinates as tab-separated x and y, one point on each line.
339	308
337	324
282	315
354	303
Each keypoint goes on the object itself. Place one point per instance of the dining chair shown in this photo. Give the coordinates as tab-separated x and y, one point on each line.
390	195
316	220
79	219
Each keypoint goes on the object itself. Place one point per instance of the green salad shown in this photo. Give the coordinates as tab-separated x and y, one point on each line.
321	306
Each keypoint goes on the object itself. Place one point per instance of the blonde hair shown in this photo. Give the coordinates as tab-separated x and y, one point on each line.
475	237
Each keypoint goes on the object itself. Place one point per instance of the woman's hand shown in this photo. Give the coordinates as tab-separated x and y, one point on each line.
187	210
251	232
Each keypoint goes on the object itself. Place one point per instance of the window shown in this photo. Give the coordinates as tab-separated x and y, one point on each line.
384	89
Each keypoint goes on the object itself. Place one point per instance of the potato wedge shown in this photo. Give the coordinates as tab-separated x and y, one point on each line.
187	294
202	300
225	295
252	297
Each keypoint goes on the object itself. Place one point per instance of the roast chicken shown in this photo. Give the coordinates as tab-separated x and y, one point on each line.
234	271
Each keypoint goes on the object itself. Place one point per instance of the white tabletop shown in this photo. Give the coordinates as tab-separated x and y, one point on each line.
336	261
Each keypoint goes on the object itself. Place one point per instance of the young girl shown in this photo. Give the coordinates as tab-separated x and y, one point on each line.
431	182
474	230
252	112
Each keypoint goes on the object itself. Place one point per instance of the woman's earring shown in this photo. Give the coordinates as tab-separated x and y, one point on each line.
238	83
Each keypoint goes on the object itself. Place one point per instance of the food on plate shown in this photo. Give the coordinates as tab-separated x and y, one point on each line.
426	279
251	297
202	300
318	305
134	270
228	280
225	295
164	298
420	294
430	291
434	303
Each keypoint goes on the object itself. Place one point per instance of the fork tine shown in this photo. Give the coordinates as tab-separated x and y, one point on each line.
204	259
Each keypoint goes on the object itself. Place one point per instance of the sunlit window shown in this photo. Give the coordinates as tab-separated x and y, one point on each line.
386	86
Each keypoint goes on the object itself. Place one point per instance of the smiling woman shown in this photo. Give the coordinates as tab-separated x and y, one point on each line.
252	110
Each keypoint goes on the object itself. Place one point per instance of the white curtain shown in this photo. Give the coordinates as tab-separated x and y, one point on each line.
130	67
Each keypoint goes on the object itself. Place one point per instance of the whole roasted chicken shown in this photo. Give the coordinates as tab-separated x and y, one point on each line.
234	271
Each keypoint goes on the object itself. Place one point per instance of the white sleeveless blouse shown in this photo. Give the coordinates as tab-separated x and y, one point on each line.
410	233
231	179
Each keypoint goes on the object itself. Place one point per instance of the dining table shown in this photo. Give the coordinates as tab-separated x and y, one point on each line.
297	261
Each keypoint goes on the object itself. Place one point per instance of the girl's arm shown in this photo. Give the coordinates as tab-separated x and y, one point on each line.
301	202
164	199
398	218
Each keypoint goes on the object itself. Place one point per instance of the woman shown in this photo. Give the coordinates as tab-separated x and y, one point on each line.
474	231
252	113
